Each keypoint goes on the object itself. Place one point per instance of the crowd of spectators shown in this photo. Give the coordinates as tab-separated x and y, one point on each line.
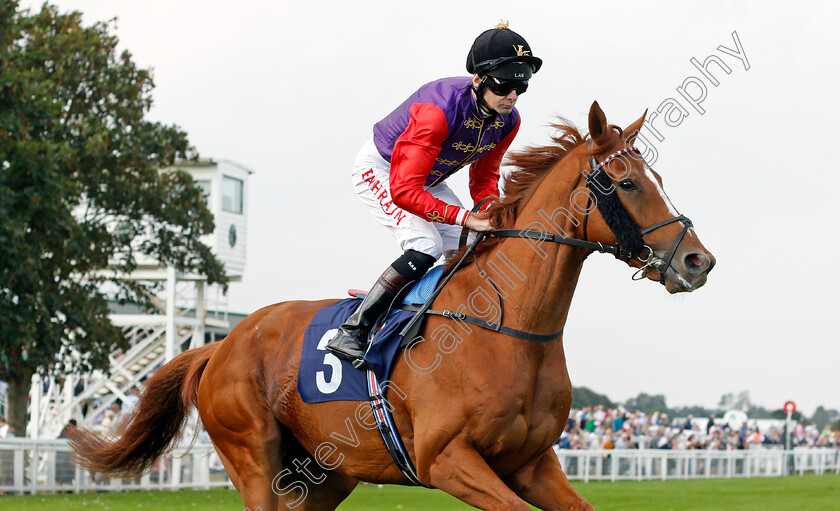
109	422
602	428
6	429
116	416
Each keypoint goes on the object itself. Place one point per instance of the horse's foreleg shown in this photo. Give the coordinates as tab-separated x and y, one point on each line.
460	471
543	484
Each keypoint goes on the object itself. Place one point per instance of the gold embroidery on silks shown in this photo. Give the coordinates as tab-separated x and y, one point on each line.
498	124
460	146
444	161
435	216
436	172
473	123
485	148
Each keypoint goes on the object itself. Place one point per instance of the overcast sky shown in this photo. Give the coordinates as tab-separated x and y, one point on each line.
291	90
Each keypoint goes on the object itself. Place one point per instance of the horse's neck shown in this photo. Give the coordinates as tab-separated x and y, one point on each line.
545	274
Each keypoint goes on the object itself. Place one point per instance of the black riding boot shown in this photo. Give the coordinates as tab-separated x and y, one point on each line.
351	341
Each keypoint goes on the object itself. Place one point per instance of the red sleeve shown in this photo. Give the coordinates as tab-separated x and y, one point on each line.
484	173
412	160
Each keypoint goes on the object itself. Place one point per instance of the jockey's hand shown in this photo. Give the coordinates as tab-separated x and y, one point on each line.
479	221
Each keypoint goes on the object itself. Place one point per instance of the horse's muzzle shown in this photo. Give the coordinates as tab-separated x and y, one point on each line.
688	271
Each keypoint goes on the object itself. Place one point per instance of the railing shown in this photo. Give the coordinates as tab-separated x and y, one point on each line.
44	466
647	464
819	461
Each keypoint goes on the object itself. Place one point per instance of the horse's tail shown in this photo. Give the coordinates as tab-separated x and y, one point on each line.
156	422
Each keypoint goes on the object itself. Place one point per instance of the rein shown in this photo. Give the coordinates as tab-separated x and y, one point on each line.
614	214
409	331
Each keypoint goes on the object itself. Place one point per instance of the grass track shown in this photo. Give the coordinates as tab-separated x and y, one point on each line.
759	494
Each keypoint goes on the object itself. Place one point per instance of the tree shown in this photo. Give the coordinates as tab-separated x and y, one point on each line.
823	417
79	167
583	397
647	403
781	414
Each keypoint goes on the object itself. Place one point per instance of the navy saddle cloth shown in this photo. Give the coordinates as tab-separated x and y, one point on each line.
325	377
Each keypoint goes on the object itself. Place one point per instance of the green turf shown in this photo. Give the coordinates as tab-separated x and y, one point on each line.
759	494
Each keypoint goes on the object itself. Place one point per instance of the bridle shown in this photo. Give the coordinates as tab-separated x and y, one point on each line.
596	181
597	175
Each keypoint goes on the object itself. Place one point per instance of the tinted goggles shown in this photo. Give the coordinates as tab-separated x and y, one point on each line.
502	87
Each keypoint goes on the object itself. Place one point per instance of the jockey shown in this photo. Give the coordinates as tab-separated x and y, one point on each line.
399	173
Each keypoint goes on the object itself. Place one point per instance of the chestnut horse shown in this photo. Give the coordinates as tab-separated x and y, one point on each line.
477	410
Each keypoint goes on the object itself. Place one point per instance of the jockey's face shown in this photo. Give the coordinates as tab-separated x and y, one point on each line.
501	104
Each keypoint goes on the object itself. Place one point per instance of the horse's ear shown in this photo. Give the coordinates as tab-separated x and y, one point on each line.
597	121
633	130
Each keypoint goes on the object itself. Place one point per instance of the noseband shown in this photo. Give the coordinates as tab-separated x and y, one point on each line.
653	261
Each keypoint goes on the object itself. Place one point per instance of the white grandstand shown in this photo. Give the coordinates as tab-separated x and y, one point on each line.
189	314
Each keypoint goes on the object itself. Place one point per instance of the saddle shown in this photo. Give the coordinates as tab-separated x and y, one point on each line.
324	377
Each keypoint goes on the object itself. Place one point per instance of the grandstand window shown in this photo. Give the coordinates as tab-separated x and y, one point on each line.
204	185
231	194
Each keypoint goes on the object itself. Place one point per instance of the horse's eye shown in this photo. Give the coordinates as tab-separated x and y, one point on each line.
627	185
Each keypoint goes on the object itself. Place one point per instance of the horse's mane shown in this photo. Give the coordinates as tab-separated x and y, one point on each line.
531	165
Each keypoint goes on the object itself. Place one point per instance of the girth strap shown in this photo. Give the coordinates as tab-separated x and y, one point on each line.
390	435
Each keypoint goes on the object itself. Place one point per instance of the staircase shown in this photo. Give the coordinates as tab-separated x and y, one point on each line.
153	339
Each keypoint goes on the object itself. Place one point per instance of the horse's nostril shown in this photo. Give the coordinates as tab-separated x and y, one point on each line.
696	262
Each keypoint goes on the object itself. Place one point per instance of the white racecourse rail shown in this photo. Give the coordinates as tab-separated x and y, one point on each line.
44	466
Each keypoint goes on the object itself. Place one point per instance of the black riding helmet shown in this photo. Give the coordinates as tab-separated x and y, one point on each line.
502	53
503	60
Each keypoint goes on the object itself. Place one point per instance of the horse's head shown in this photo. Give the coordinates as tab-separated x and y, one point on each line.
627	205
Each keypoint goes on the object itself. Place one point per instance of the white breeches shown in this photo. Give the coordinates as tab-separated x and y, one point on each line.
411	231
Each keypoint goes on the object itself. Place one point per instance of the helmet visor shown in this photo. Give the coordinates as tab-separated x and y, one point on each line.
513	71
